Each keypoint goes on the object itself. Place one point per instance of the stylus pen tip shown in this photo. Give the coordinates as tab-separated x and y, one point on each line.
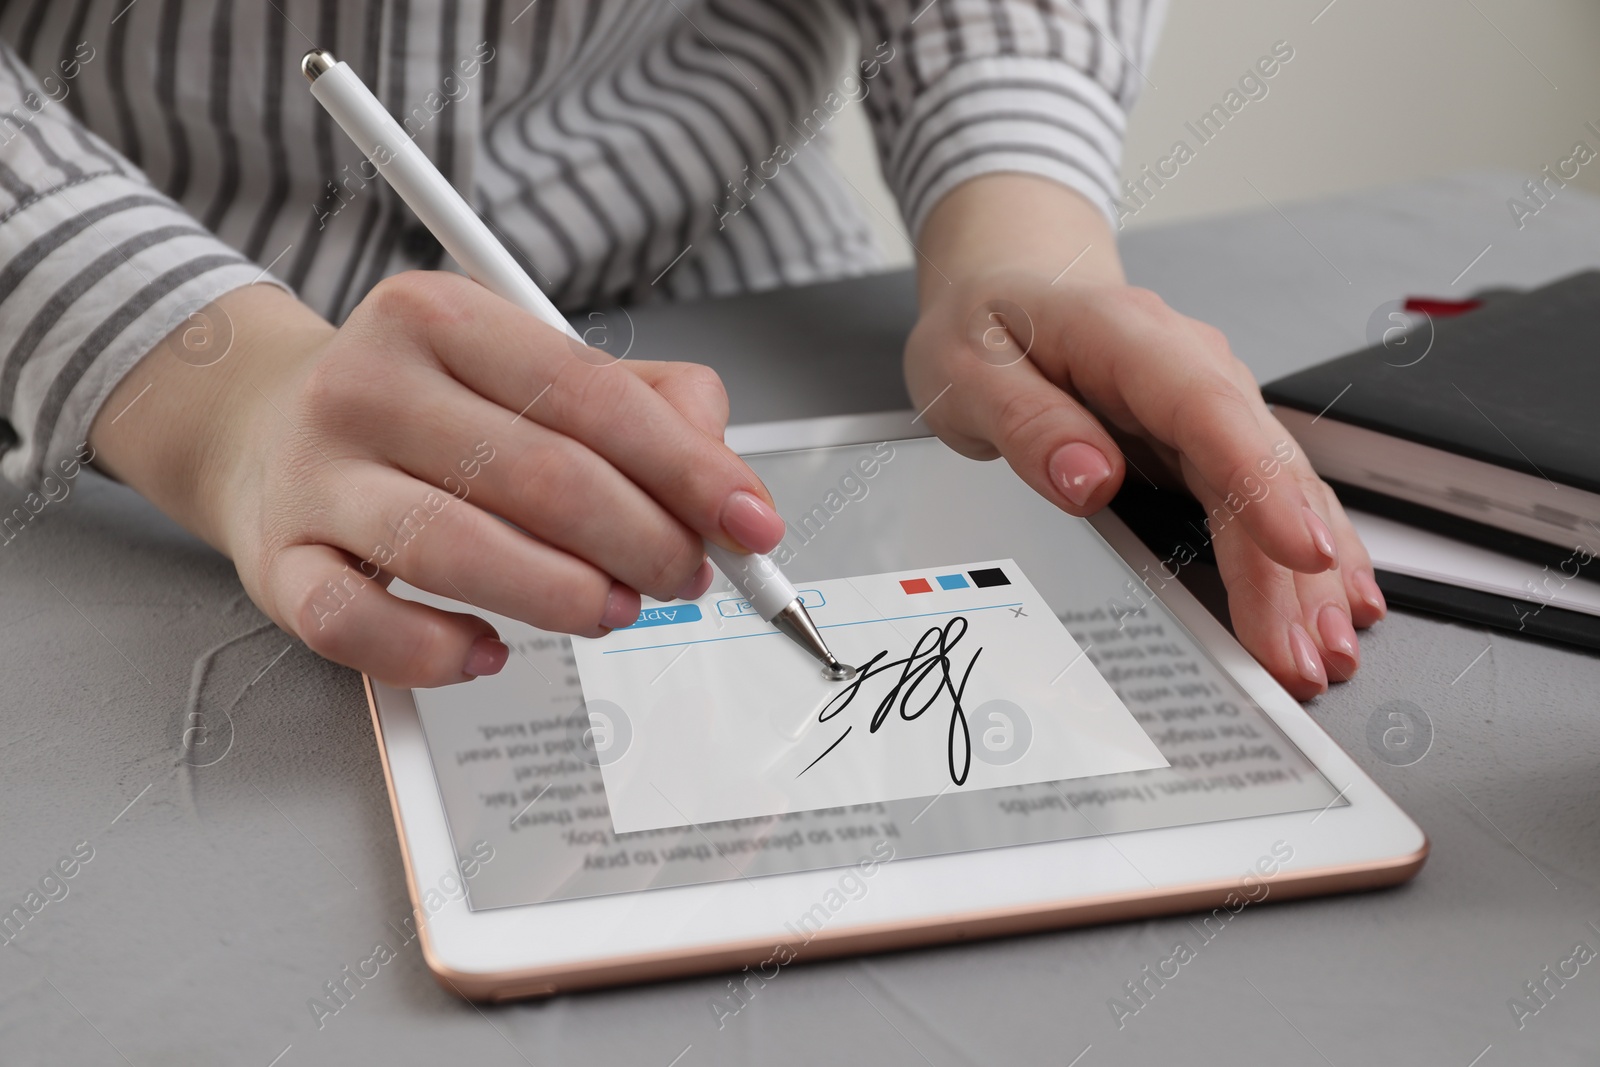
795	621
834	671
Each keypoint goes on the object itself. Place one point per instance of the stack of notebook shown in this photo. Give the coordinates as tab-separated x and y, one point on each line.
1469	453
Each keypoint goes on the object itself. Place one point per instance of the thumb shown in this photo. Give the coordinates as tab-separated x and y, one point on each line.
979	391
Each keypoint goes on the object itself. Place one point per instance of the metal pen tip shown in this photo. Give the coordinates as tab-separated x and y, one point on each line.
316	63
834	671
795	621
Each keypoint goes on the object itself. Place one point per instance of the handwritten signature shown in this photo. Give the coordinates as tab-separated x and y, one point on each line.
930	656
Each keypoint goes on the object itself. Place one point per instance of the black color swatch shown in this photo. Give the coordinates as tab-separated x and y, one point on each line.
988	577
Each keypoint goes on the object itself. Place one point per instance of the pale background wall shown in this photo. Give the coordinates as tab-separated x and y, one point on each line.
1379	91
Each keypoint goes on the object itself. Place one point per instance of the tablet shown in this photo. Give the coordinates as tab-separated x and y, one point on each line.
992	813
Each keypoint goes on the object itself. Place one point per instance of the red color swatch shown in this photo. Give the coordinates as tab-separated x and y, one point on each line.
916	585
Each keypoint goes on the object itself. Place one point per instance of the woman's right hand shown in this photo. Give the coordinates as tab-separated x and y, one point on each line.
327	462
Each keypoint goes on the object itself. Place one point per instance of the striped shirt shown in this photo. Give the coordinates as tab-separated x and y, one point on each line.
156	154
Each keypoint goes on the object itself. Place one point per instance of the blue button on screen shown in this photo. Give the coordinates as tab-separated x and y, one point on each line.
666	615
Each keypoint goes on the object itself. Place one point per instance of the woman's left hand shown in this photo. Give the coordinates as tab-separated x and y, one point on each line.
1035	365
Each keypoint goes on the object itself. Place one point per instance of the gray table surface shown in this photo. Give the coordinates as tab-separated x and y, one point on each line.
220	897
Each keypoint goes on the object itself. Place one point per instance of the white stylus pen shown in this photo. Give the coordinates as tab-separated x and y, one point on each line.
470	243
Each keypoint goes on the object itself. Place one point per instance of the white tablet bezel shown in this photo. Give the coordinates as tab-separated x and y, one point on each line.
566	944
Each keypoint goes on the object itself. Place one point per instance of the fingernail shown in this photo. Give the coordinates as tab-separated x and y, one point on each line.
1337	633
1320	535
1306	659
698	584
486	656
1367	585
751	521
1078	470
622	607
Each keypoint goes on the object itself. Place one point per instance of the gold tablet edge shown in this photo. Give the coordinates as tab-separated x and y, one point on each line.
861	940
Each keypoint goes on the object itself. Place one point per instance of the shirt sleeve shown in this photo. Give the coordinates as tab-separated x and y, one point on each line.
959	88
96	267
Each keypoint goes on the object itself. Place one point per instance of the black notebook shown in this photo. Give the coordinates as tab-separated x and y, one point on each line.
1484	426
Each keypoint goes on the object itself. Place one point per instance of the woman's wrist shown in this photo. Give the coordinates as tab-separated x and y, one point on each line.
178	427
1008	223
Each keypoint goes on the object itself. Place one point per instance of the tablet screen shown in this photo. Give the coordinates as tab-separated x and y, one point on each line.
521	758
